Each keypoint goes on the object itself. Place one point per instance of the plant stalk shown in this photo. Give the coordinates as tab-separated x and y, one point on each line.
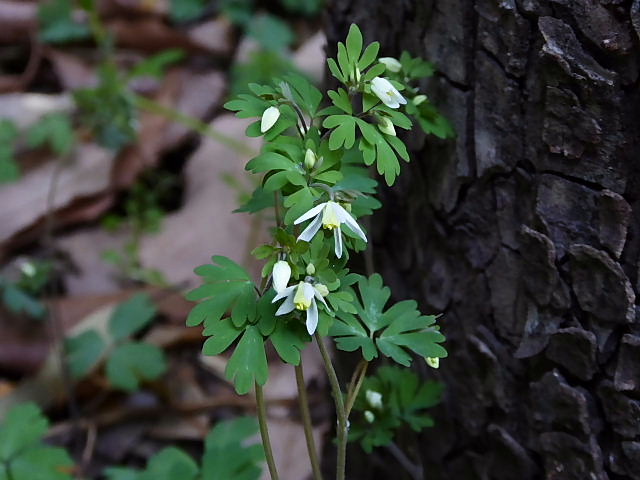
342	430
306	422
264	432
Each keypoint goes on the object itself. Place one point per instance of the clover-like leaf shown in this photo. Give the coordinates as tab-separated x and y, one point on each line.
227	287
84	352
23	427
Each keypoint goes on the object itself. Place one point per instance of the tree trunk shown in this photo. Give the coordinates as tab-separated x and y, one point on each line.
524	230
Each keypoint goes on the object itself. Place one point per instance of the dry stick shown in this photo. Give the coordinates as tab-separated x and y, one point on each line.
306	421
340	411
412	469
264	432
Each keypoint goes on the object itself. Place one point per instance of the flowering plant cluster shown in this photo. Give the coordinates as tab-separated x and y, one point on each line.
315	177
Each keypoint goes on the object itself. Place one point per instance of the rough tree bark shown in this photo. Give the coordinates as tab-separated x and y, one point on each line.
524	231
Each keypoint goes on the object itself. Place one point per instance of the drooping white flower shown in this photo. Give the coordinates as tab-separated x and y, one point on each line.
303	297
386	92
374	399
281	274
269	118
392	64
369	416
329	215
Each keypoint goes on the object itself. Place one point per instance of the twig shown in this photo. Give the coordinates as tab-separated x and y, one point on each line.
412	469
352	394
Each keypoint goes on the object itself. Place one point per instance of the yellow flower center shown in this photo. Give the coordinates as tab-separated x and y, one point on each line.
330	219
300	300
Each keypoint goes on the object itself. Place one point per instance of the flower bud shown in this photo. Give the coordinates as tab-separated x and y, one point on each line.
269	118
309	162
281	274
369	416
311	269
386	126
374	399
418	99
392	64
433	362
358	76
322	289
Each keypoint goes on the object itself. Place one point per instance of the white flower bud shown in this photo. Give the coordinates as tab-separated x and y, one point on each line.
369	416
418	99
311	269
281	275
309	161
392	64
374	399
433	362
269	118
385	91
386	126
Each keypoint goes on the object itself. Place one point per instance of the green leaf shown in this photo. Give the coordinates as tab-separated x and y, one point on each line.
297	204
248	364
341	100
397	331
268	161
9	169
227	457
186	10
227	287
354	43
55	130
18	301
23	427
121	473
221	333
132	316
289	339
335	70
84	352
170	463
375	71
305	94
58	24
344	130
343	60
133	362
42	462
271	32
156	65
247	106
369	56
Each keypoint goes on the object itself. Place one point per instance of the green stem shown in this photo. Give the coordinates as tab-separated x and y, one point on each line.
264	432
306	422
352	394
192	123
340	411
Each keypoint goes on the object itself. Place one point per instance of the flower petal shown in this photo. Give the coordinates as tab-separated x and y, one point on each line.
312	318
310	213
321	298
286	307
337	240
311	230
269	118
346	217
281	274
284	293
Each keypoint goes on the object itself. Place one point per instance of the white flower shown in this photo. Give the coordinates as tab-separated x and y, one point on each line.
329	215
281	274
392	64
374	399
269	118
303	297
386	92
369	416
